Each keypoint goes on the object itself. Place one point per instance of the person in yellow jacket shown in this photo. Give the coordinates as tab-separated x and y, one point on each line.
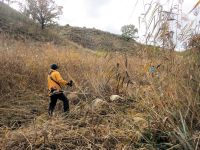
55	84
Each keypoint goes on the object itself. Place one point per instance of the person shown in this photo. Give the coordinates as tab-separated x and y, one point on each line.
55	84
152	70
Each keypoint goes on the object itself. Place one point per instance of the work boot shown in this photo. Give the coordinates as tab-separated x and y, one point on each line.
50	113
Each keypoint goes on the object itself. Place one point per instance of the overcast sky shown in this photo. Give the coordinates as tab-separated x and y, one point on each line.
111	15
107	15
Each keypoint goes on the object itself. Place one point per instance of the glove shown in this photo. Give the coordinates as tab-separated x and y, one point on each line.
70	83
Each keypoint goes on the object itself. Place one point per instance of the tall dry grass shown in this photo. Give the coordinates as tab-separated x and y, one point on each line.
159	112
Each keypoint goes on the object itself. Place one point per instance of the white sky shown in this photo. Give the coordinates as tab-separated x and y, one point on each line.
107	15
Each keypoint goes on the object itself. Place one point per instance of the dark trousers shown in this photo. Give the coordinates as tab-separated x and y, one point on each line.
53	101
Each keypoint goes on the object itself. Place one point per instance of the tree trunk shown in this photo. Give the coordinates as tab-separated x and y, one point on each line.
42	24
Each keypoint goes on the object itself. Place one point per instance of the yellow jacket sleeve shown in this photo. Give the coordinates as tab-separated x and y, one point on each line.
59	79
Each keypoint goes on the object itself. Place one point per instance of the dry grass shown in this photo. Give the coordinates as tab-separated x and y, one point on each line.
160	112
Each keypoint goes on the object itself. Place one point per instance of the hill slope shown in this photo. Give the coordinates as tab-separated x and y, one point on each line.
18	25
97	40
15	23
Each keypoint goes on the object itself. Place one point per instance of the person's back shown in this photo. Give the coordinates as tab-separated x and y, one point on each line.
55	84
55	81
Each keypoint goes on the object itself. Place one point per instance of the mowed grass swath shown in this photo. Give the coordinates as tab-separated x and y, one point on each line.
155	112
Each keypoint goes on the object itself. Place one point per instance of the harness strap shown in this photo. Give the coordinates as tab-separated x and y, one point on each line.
53	79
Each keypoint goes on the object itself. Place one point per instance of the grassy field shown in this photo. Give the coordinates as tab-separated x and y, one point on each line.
151	111
155	112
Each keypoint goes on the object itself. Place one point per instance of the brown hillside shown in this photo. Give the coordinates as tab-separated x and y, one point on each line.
98	40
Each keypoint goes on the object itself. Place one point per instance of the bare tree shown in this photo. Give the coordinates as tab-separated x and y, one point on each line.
43	11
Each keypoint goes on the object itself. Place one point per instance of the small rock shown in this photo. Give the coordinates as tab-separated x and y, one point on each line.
99	105
73	98
97	102
116	98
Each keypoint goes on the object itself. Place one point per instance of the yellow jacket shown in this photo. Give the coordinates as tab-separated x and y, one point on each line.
55	81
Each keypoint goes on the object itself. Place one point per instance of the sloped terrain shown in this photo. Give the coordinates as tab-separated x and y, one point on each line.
98	40
16	24
21	27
